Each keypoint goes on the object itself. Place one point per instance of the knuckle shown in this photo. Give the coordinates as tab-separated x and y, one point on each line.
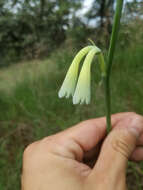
138	117
132	113
29	156
123	144
35	146
137	120
131	116
135	116
121	147
28	150
47	140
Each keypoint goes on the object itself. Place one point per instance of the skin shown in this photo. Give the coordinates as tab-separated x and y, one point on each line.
70	160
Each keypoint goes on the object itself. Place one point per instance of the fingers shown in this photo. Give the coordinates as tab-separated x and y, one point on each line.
90	132
137	155
80	139
77	140
140	140
118	147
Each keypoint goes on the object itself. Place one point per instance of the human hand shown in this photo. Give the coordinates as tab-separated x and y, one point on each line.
62	161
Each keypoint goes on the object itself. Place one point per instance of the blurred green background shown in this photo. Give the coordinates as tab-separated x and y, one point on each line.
38	40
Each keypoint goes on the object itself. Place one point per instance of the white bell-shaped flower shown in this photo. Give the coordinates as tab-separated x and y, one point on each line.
69	84
83	91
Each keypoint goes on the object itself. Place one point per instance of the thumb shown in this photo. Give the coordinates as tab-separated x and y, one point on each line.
116	150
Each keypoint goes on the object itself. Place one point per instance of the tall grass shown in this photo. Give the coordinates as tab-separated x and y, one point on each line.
30	108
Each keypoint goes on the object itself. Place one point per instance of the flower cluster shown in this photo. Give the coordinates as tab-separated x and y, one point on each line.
79	87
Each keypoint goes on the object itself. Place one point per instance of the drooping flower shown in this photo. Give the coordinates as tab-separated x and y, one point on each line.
69	84
82	92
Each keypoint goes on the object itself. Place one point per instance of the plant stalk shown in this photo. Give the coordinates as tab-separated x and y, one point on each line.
111	51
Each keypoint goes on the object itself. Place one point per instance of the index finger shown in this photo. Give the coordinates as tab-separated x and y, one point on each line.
88	133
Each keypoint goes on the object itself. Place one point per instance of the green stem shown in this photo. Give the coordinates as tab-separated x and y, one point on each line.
107	102
111	51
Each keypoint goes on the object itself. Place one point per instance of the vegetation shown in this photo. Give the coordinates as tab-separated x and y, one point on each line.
31	29
31	109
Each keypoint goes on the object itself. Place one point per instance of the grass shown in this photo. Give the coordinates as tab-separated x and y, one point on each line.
30	108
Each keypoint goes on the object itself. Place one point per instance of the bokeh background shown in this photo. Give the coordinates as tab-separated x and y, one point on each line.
38	40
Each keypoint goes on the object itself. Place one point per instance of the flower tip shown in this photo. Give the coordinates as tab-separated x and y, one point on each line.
87	102
61	94
75	101
67	95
